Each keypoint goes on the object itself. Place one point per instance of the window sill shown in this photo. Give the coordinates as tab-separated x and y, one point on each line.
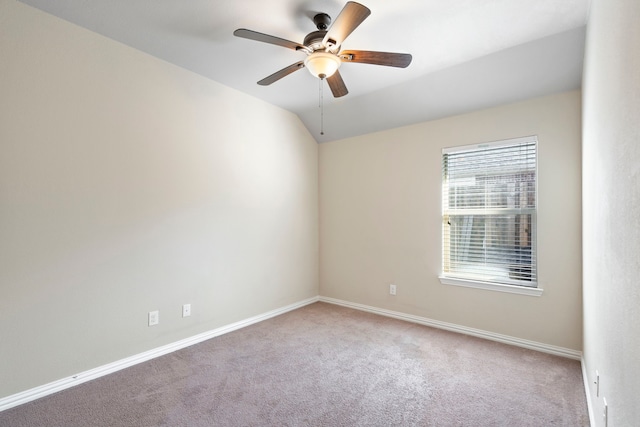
521	290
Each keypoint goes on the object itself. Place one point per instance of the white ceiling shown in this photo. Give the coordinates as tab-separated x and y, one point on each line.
467	54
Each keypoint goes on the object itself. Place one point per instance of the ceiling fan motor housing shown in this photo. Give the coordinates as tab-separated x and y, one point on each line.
314	39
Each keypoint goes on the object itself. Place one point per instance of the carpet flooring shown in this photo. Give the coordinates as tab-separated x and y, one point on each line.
326	365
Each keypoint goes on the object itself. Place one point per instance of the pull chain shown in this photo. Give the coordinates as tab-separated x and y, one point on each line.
321	105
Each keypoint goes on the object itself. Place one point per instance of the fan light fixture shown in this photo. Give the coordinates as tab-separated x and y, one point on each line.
322	64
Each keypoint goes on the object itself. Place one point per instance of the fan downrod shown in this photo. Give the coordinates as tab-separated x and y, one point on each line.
314	39
322	21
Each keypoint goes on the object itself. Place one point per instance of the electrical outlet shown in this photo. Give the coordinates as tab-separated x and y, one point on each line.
186	310
154	317
392	289
605	412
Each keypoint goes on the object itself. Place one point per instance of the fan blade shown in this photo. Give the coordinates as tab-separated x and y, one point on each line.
389	59
348	20
338	88
282	73
265	38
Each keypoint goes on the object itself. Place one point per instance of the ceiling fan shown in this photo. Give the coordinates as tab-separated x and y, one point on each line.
322	48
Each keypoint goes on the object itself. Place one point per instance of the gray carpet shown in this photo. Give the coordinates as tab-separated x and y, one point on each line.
325	365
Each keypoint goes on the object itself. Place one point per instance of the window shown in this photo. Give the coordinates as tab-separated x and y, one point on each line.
489	215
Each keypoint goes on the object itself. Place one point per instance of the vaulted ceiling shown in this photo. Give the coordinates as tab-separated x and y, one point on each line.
467	54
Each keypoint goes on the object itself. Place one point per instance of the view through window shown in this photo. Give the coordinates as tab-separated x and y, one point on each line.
489	212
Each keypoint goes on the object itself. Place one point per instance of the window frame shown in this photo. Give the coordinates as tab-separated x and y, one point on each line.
460	280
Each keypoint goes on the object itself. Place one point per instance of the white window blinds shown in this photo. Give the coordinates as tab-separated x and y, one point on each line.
489	212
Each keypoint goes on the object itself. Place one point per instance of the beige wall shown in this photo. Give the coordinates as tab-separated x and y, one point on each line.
380	221
611	196
129	185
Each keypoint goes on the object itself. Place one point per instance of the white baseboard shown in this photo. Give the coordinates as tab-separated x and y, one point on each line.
587	391
519	342
65	383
